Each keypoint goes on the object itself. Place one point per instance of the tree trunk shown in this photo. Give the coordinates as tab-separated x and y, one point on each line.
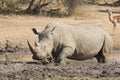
30	5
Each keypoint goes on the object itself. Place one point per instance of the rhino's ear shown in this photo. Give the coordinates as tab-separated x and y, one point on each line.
35	31
37	44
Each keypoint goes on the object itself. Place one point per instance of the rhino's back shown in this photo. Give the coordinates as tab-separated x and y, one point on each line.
88	40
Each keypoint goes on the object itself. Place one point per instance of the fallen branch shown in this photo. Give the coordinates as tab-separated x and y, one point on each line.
45	4
53	10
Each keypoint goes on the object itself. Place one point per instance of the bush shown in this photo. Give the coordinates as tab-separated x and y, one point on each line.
44	7
73	4
8	6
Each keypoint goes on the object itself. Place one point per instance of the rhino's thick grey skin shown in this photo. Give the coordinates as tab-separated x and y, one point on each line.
59	41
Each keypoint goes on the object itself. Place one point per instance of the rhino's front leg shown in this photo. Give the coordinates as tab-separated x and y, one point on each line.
67	51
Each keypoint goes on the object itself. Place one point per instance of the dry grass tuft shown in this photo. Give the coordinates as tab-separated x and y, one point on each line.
84	11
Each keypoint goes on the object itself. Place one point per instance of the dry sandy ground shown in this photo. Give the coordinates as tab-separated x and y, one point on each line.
17	29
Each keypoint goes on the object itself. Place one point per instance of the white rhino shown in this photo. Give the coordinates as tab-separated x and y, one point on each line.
58	41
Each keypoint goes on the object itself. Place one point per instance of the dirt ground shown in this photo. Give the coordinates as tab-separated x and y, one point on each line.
15	30
27	69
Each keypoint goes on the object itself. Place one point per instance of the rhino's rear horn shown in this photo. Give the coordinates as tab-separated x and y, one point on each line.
31	49
53	29
35	31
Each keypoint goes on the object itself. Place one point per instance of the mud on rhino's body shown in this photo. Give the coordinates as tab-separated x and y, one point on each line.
75	42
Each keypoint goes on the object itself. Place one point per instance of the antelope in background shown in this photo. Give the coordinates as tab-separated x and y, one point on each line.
113	19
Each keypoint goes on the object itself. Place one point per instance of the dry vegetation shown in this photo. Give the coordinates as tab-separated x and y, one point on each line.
57	8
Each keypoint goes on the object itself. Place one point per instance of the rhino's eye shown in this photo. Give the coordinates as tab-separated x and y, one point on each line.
43	47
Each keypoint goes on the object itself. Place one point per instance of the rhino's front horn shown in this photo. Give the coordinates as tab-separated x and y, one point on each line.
31	49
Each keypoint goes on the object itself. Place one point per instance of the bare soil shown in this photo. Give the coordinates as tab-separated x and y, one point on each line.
28	69
16	61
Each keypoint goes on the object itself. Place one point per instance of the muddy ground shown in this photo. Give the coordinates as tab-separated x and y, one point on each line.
17	67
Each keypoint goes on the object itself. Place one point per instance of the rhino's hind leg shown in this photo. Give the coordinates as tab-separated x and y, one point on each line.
106	56
101	57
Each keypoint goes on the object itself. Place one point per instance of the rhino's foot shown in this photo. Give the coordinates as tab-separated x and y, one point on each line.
51	60
102	59
60	62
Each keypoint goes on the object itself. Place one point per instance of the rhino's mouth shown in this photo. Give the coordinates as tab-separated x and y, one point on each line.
47	59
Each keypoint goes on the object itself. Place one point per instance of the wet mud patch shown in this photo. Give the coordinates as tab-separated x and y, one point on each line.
71	71
10	46
20	66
